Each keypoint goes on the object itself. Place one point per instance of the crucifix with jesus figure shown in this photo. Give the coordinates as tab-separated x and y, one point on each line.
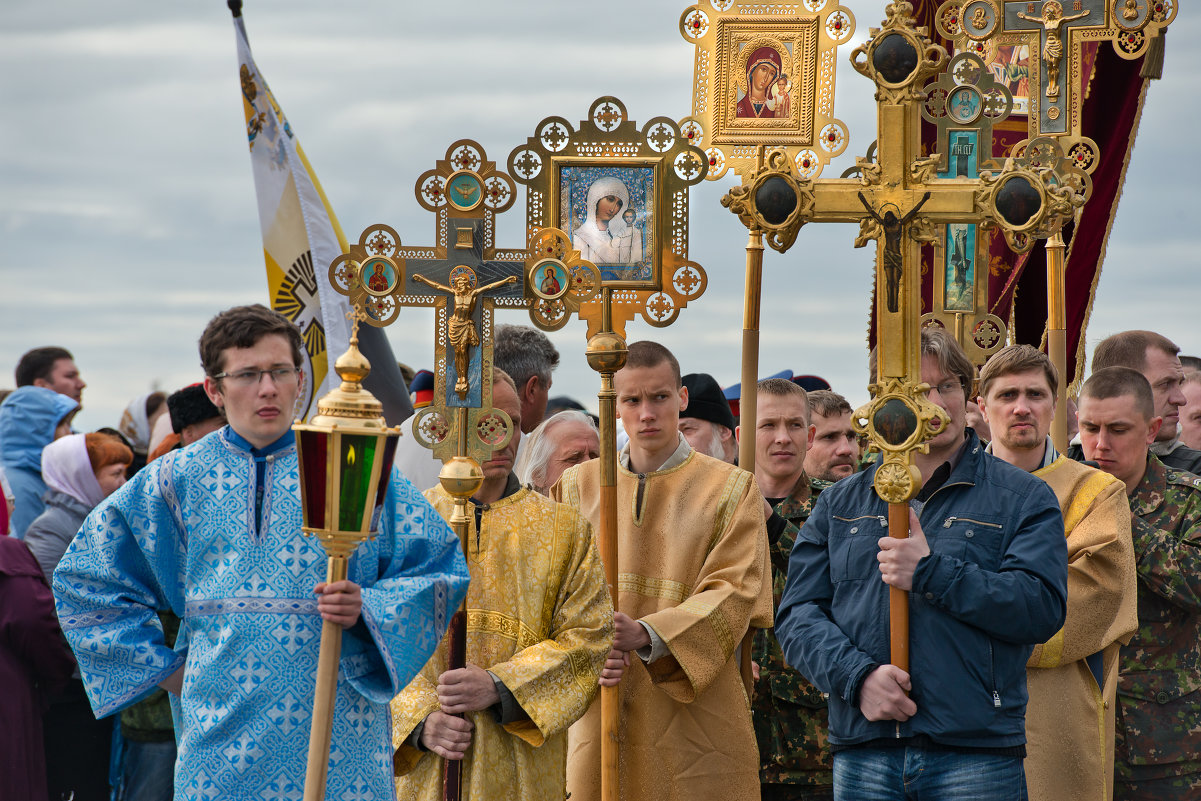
899	201
463	277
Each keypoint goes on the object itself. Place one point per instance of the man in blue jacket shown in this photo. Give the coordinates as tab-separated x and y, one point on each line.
985	566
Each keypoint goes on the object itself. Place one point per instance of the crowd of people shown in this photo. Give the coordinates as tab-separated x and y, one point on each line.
160	608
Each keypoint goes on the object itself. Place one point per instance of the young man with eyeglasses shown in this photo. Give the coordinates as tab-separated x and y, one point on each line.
985	566
212	533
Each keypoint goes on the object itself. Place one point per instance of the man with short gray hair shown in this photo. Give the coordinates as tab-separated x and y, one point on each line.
528	356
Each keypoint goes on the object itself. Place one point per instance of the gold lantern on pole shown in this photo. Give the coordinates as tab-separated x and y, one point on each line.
343	453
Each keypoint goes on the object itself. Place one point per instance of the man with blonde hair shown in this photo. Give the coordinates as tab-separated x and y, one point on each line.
1072	678
790	715
1159	685
1158	359
1190	412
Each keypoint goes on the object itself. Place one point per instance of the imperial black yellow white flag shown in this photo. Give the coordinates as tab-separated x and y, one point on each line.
301	235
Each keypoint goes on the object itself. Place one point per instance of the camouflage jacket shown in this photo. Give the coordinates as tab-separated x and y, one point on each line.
1159	689
789	713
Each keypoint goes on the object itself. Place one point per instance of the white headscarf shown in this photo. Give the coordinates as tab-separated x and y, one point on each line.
66	468
135	425
603	187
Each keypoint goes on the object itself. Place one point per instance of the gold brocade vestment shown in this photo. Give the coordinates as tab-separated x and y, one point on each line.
539	618
693	565
1070	718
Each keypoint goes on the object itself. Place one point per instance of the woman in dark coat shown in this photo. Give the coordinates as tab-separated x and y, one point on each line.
80	471
34	660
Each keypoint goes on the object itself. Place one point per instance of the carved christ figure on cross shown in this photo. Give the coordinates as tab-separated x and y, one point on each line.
461	330
892	227
1052	19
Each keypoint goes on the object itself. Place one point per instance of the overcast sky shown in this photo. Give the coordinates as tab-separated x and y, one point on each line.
127	207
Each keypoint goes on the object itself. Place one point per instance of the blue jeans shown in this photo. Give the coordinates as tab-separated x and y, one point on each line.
917	774
148	771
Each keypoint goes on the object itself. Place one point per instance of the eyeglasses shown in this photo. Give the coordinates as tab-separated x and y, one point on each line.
249	378
948	387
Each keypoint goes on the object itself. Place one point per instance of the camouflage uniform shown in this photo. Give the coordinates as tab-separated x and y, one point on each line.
790	713
1159	690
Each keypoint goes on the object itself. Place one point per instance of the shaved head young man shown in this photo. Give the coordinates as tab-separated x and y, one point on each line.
694	578
1159	687
1158	359
1073	677
790	713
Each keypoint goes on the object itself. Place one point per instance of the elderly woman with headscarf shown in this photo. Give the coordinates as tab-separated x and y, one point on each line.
30	419
560	441
604	237
80	471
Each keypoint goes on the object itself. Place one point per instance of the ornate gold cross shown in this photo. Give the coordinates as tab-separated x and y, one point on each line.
900	201
463	278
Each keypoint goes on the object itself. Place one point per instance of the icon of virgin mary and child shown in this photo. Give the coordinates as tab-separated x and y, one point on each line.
606	236
767	86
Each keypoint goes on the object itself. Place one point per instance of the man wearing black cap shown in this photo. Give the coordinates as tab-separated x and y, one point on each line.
707	422
192	415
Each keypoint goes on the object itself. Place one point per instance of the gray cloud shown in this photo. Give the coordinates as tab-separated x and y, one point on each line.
127	209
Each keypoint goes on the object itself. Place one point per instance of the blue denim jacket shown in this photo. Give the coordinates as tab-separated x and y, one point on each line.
994	585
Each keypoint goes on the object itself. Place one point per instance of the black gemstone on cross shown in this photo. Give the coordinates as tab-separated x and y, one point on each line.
776	199
895	58
894	421
1018	201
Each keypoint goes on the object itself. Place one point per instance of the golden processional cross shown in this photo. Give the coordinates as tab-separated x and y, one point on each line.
1055	32
899	201
463	277
610	273
763	77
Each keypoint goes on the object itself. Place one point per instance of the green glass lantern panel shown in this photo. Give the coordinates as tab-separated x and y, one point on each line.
355	459
382	489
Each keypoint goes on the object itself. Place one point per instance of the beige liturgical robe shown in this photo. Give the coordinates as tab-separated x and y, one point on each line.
693	566
1069	718
540	619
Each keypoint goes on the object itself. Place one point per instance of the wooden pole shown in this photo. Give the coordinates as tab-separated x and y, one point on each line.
898	599
456	643
1057	339
606	542
325	694
748	402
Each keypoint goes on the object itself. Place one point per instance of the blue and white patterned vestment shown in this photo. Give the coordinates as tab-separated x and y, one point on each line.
182	535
